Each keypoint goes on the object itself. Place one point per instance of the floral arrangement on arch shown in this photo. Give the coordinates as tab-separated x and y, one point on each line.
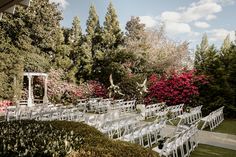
4	104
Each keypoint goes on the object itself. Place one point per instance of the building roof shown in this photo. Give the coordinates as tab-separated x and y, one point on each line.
8	6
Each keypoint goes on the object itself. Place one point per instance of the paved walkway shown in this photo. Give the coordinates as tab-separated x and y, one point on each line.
209	138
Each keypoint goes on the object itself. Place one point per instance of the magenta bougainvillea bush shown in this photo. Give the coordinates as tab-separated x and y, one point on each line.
176	88
96	89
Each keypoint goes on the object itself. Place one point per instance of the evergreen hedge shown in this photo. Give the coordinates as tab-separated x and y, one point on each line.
62	138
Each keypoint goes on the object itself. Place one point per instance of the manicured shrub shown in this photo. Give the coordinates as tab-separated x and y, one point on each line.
30	138
96	144
62	138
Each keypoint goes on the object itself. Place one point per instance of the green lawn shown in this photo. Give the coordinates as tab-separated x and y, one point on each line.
211	151
227	126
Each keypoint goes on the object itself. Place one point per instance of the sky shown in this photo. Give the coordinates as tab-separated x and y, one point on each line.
184	20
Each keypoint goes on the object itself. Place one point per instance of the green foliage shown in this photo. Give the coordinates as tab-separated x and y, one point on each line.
35	62
129	86
92	26
136	45
61	138
31	138
11	68
80	53
219	66
95	144
135	29
75	37
109	40
112	35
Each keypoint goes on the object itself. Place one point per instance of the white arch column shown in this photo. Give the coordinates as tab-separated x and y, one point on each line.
45	96
30	75
30	92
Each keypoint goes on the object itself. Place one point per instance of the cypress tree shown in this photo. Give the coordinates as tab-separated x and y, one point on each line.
112	35
200	54
81	52
92	25
75	37
135	29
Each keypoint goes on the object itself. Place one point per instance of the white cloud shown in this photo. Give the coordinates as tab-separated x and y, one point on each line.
171	26
199	10
201	24
177	28
196	11
220	34
62	3
178	22
227	2
171	16
148	21
210	17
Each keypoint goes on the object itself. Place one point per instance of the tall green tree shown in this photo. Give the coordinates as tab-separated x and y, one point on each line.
92	30
200	53
11	69
217	66
112	35
136	44
81	52
32	33
134	29
110	44
75	37
232	78
32	38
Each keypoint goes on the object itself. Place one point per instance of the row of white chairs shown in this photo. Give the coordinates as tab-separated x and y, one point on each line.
46	112
145	135
192	117
214	118
117	128
181	144
152	110
174	111
113	123
127	106
160	110
116	104
101	106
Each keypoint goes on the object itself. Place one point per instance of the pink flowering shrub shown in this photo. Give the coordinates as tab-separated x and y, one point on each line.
97	89
4	104
61	91
175	89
